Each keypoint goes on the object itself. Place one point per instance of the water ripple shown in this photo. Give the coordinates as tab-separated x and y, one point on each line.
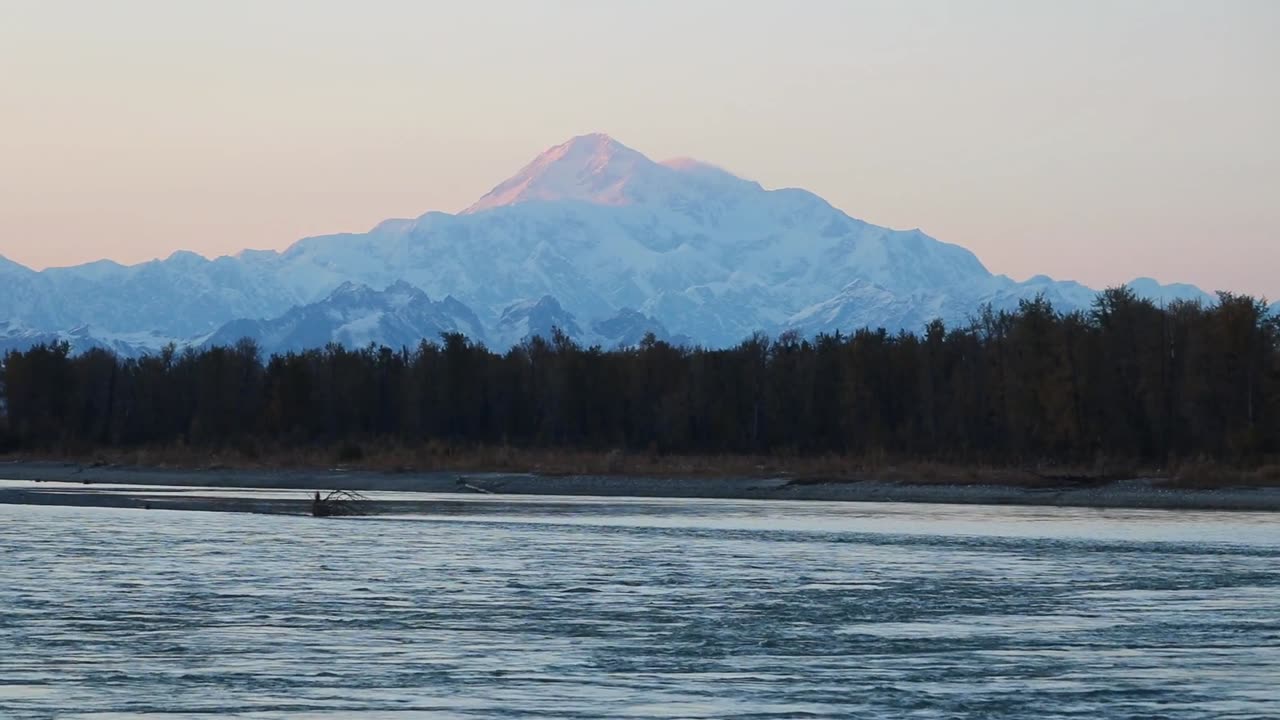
692	610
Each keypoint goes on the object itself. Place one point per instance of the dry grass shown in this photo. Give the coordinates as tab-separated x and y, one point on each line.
1212	476
818	469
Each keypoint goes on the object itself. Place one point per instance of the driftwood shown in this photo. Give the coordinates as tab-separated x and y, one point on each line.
462	483
338	503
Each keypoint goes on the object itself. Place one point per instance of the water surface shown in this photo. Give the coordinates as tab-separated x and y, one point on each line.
586	608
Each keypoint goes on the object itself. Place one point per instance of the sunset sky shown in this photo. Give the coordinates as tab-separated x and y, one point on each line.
1087	140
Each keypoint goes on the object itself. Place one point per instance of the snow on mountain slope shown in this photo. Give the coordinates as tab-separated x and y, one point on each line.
592	224
1064	295
526	319
183	295
16	337
630	327
601	228
1164	294
600	170
355	316
863	304
10	270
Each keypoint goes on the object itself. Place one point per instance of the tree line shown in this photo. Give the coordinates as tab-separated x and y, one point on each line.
1125	379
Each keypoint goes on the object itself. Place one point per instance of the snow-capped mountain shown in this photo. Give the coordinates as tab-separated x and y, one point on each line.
355	316
1166	294
14	336
630	327
590	236
601	228
523	320
180	296
865	304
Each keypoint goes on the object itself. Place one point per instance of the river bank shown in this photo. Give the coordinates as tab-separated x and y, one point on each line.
47	482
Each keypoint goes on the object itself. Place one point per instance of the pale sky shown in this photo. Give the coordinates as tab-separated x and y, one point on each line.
1088	140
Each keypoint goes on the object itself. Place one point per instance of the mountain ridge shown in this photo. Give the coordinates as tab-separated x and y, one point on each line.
597	227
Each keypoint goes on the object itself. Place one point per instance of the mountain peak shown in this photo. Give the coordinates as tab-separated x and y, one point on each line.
349	289
186	258
592	150
592	168
599	170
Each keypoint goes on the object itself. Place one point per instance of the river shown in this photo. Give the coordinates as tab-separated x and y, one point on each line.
584	608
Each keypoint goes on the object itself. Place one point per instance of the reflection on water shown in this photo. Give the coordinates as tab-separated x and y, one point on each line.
582	608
